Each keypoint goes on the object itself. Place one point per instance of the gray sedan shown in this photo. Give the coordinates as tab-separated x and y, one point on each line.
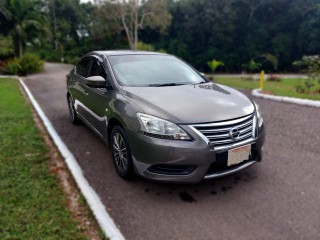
162	119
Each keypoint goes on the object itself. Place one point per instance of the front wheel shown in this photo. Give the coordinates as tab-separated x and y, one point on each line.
121	153
72	112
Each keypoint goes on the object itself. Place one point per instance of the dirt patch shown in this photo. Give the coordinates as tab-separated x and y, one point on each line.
75	203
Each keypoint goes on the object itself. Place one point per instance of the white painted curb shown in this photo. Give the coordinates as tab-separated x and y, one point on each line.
299	101
103	218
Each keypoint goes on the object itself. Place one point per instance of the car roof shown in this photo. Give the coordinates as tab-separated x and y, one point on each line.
124	52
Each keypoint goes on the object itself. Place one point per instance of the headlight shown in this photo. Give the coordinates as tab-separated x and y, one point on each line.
157	127
260	119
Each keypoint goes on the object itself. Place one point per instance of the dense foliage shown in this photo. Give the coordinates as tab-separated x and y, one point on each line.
311	66
27	64
236	31
243	34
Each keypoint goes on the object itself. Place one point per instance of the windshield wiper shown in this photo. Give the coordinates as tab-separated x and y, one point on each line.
165	84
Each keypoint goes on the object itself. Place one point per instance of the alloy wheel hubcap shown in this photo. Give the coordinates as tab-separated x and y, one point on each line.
120	152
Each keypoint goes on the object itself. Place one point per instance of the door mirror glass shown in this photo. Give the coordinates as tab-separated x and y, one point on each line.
95	81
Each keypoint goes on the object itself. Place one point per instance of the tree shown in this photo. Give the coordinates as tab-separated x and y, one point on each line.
54	23
266	59
253	6
134	15
251	66
214	64
25	19
6	48
70	23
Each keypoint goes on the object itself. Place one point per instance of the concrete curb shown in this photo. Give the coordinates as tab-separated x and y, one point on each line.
299	101
103	218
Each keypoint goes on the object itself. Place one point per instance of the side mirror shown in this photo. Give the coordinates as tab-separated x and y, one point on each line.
95	81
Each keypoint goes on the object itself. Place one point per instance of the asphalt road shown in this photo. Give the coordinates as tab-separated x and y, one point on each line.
278	198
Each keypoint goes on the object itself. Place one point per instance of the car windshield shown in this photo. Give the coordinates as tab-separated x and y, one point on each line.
153	70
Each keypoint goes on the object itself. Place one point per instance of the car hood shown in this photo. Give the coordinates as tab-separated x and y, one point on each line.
188	104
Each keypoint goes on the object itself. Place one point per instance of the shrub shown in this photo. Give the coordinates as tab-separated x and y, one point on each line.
148	47
311	66
300	89
50	56
30	63
27	64
145	47
13	67
2	66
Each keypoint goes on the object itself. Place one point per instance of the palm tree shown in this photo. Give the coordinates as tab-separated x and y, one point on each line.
251	66
214	64
25	19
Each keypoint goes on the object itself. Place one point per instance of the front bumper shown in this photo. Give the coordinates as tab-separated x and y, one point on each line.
186	161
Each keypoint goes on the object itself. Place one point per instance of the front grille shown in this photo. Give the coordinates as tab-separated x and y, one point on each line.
171	169
219	134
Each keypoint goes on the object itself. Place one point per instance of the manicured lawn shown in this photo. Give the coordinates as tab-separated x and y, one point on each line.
284	88
32	204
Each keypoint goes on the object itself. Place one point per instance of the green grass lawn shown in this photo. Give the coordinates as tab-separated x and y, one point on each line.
286	87
32	204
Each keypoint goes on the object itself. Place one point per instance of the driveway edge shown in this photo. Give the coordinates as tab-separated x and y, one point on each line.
299	101
103	218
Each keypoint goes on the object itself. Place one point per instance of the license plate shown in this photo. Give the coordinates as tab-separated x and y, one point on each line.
238	155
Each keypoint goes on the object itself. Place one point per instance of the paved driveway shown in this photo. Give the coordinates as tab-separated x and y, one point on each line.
276	199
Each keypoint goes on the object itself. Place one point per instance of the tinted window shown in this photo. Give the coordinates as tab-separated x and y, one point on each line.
97	69
144	70
83	67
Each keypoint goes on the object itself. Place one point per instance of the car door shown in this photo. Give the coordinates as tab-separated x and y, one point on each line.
79	93
98	99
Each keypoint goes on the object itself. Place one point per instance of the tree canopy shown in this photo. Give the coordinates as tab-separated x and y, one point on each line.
270	33
22	19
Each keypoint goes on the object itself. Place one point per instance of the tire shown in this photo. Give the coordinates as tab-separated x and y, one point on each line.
121	153
72	112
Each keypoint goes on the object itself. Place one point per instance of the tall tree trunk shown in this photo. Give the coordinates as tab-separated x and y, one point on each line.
128	31
253	6
136	24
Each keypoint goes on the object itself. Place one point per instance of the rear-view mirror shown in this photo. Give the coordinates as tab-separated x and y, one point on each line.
95	81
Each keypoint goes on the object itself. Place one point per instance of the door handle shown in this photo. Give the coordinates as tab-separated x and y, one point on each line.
86	92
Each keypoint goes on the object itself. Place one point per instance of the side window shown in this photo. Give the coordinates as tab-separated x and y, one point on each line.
97	69
83	67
